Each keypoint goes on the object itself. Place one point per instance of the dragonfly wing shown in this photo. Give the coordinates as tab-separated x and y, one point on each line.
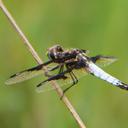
46	86
25	75
62	82
98	72
103	60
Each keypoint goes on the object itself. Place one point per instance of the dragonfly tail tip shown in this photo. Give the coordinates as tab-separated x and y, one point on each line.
124	86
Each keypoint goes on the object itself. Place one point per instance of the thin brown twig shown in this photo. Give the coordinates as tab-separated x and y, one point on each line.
39	61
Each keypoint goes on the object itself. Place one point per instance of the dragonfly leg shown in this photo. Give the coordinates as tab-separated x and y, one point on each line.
74	79
71	74
74	82
65	90
56	67
61	69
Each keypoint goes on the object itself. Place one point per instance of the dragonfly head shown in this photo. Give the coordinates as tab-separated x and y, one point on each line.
52	52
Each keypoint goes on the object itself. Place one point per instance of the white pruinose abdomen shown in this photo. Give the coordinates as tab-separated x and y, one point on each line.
95	70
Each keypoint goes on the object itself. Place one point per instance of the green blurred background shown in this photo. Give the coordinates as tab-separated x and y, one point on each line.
97	25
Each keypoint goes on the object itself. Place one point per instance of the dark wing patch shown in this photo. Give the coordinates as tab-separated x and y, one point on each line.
26	74
103	60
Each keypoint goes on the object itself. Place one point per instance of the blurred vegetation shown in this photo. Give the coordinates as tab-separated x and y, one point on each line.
99	26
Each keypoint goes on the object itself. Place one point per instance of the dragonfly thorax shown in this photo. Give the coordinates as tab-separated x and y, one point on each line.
58	55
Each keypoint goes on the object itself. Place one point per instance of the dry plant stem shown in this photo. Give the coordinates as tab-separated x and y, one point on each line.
39	61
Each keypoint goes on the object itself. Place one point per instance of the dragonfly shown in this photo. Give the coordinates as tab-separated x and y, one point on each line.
66	63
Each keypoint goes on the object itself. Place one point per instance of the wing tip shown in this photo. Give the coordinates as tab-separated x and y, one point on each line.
8	82
11	81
